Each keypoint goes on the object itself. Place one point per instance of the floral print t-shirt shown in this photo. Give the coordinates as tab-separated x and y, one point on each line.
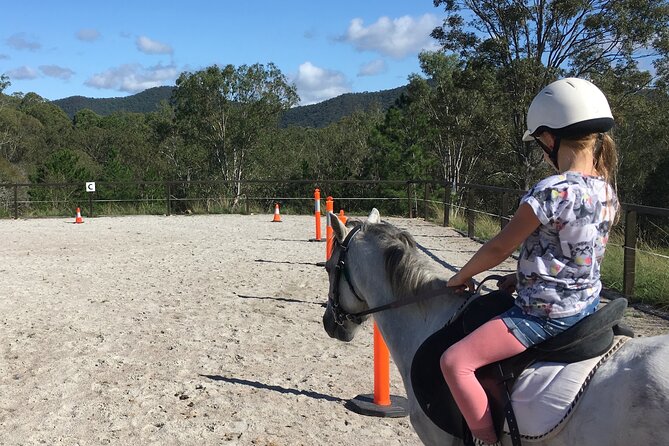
558	267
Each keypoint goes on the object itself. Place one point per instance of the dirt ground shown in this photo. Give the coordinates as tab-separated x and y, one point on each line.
187	330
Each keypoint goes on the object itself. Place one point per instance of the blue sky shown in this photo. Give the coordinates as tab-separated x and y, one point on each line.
117	48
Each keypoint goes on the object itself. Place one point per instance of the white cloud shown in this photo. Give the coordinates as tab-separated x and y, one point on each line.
373	68
133	78
56	71
315	84
19	41
149	46
22	73
397	38
88	35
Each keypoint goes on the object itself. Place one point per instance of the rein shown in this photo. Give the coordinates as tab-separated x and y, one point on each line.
341	315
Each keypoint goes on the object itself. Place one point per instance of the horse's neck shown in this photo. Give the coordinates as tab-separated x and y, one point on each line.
405	328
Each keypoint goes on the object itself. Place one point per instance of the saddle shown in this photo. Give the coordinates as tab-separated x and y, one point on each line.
590	337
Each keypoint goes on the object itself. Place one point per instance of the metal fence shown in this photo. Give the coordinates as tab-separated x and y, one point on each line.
399	198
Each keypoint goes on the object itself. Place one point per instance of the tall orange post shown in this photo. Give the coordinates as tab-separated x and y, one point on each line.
317	213
381	403
329	234
381	370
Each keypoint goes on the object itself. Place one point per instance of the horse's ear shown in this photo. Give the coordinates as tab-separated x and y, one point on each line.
338	228
374	216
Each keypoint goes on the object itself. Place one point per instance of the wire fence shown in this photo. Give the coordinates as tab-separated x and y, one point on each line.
433	199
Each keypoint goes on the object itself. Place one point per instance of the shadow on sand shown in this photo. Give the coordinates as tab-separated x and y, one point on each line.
282	299
284	390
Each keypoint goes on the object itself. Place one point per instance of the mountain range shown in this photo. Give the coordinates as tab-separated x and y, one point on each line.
314	115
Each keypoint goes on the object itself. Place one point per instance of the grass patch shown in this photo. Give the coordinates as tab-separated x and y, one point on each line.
485	227
651	284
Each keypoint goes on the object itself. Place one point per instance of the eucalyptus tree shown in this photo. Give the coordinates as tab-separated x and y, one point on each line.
462	124
227	110
641	132
4	83
530	43
55	127
21	136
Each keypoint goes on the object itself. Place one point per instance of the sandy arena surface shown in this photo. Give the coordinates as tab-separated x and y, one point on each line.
187	330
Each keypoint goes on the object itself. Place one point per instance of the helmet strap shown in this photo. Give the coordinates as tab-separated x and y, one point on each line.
553	155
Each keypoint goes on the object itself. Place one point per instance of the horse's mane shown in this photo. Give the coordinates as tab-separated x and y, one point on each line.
407	271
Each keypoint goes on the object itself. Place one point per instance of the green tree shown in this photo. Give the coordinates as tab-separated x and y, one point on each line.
60	167
227	110
4	82
56	125
89	135
642	119
178	161
20	136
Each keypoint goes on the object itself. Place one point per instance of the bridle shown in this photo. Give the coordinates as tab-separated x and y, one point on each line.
341	315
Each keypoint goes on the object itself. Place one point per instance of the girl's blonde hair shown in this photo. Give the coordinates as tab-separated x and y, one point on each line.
605	157
604	153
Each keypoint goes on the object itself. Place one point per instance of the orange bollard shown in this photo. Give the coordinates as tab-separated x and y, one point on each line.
329	234
342	218
381	403
381	370
317	213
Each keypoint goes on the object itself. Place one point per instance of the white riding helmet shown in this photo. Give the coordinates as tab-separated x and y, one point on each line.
569	107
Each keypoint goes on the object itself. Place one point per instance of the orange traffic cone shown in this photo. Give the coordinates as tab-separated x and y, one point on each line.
277	215
342	218
78	218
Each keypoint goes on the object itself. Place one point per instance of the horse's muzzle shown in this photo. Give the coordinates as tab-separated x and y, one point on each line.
333	329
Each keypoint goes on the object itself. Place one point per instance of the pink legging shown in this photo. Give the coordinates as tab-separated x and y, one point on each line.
489	343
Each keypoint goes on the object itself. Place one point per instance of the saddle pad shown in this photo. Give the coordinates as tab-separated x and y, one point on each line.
546	392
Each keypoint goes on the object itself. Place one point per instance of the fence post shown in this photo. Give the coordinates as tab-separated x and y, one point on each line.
629	260
16	202
470	214
168	191
426	196
447	204
503	211
90	204
409	199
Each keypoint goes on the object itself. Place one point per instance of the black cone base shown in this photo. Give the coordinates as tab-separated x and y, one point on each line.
364	405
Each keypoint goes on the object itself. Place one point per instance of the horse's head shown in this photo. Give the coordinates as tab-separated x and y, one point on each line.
341	319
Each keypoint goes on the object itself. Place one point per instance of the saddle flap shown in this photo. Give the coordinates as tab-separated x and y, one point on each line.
589	337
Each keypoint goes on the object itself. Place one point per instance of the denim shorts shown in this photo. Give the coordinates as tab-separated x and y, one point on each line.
531	330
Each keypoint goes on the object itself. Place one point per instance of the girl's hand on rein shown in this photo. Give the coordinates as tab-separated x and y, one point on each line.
508	283
461	283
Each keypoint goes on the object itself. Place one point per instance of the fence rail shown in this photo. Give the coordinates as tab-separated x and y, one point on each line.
18	199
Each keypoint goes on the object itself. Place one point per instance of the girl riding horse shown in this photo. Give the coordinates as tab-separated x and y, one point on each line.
563	225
